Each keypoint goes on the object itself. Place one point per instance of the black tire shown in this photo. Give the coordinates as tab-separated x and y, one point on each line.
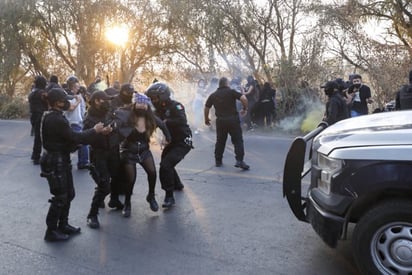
382	239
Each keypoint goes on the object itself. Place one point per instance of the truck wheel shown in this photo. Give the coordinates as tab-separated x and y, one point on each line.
382	239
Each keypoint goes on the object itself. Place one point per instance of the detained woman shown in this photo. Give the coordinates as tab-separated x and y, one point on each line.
136	124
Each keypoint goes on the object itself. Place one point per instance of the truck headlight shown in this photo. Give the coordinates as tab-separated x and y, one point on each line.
329	167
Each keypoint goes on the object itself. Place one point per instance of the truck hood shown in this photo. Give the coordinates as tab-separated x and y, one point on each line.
385	129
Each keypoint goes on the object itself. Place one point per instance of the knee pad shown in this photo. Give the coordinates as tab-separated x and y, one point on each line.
105	189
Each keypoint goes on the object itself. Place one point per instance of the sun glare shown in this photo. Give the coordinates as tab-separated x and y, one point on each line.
118	35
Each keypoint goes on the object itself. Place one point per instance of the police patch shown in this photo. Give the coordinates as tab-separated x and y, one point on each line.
179	107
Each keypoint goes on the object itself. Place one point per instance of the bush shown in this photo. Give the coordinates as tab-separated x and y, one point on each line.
11	108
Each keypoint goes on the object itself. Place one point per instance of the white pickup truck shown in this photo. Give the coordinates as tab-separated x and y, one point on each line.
360	171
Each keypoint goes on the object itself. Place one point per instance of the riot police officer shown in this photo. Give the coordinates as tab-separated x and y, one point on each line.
228	121
104	156
58	141
336	108
173	115
404	96
123	98
38	105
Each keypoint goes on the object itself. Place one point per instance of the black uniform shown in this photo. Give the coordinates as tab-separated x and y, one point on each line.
266	106
173	114
118	101
404	98
105	159
336	108
58	141
227	122
38	105
252	98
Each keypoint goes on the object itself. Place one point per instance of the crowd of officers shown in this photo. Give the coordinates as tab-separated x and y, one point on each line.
118	126
119	123
113	136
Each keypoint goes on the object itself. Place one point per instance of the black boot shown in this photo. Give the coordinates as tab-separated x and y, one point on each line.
152	202
127	210
169	202
55	236
241	164
93	222
179	186
115	203
68	229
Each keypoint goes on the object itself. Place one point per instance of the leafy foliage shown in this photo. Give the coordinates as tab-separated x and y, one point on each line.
294	44
11	108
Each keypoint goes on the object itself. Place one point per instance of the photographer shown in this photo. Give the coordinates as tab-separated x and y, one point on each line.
361	97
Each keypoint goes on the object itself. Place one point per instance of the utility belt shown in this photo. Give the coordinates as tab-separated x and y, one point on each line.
50	161
188	140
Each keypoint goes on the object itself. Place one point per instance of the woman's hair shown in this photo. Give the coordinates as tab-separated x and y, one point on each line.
149	119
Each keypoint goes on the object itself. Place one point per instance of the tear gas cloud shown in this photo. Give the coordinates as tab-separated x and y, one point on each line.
307	120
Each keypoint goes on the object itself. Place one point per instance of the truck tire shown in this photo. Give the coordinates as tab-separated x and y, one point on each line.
382	239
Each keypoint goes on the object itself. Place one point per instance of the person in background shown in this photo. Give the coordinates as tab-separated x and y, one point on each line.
75	115
197	105
86	96
116	85
361	97
114	90
404	96
252	94
136	124
347	92
336	106
124	97
94	85
236	84
38	105
173	114
267	105
227	121
59	140
53	83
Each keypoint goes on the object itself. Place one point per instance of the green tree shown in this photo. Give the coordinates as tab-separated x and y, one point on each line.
384	60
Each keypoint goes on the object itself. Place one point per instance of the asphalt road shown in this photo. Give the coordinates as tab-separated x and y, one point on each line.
226	221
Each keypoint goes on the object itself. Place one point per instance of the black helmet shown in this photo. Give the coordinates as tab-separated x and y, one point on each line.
159	89
40	82
57	94
330	87
72	79
342	85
